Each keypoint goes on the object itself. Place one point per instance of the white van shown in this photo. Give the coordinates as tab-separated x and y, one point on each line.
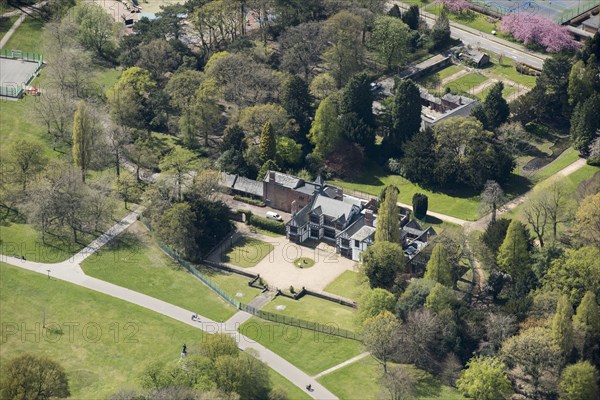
274	215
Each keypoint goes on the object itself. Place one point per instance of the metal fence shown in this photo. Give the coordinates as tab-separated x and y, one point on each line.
574	12
13	90
21	55
328	329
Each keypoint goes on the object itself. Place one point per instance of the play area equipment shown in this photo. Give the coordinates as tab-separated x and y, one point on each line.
17	69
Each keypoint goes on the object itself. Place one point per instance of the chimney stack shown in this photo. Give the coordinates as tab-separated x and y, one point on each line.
294	207
339	193
271	176
369	217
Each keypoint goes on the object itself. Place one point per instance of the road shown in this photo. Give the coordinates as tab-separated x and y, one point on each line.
475	38
70	271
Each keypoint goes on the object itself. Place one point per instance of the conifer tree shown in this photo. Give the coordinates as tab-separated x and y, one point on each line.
513	255
588	313
325	130
562	328
438	268
495	107
268	145
388	223
406	112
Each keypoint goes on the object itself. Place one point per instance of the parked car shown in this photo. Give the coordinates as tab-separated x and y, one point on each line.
274	216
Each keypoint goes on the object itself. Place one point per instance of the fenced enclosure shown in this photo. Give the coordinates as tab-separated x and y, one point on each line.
560	11
17	69
327	329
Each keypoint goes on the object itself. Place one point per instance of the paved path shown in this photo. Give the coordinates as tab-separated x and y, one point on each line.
483	86
347	362
481	223
12	30
453	77
70	271
473	37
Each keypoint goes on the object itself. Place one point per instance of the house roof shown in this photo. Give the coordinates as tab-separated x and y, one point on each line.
363	233
319	181
248	186
286	180
336	209
227	180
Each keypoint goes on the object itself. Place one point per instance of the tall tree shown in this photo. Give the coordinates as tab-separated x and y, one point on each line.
586	323
399	381
176	228
492	198
357	97
575	273
325	130
587	219
388	222
484	379
296	100
411	17
381	262
419	161
374	302
406	112
495	107
379	335
34	377
562	327
28	158
440	33
345	56
535	211
585	124
130	98
302	47
579	381
268	144
85	127
513	255
96	28
391	38
438	268
420	203
178	163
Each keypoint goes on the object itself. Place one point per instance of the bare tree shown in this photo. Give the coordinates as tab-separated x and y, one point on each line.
55	110
535	211
399	383
492	197
499	327
555	205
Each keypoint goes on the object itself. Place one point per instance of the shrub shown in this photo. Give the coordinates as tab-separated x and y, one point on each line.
420	203
249	200
267	224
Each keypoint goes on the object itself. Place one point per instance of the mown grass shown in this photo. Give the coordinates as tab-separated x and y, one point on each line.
232	284
312	352
349	284
505	68
28	37
134	260
246	252
128	336
360	381
506	92
314	309
293	391
6	23
434	80
565	159
466	83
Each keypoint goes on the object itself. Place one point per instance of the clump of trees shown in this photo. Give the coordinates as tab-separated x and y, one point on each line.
533	29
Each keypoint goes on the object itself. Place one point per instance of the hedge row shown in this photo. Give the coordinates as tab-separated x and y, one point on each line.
267	224
249	200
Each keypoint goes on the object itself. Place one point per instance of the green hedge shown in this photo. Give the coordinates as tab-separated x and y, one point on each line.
267	224
249	200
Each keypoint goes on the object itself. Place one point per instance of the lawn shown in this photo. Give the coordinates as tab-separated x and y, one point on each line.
565	159
129	336
247	252
312	352
460	203
466	83
232	284
359	381
135	261
314	309
432	81
304	262
28	37
506	69
349	284
506	93
6	23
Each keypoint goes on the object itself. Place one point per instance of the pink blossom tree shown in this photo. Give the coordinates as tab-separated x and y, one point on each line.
533	29
456	6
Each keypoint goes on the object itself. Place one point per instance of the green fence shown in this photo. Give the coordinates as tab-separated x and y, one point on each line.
282	319
581	8
300	323
10	91
21	55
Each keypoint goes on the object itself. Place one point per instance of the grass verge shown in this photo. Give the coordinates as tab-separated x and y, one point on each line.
133	260
349	284
247	252
312	352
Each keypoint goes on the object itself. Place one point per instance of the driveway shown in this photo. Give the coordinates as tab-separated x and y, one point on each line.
278	270
260	211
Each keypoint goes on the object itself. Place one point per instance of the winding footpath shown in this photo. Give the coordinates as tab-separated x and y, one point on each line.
70	271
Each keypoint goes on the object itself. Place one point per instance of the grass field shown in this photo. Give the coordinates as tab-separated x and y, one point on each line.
567	157
506	69
246	252
507	92
433	81
314	309
310	351
466	83
349	284
460	203
6	23
129	336
28	37
134	261
232	284
360	381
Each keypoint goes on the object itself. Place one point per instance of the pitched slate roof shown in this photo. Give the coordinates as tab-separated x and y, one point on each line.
336	209
363	233
286	180
248	186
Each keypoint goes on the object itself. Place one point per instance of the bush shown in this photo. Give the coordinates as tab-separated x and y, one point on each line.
267	224
249	200
420	203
